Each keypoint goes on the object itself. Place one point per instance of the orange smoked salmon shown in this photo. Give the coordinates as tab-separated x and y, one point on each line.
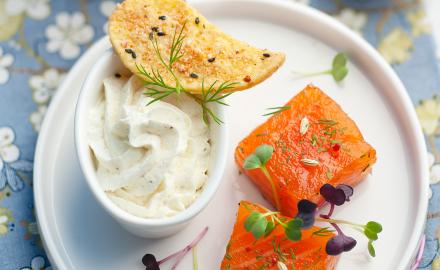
315	143
245	253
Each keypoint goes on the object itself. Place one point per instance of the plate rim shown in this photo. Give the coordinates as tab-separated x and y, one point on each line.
421	171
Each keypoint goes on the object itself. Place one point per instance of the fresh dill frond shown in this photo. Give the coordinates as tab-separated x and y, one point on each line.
158	89
213	95
276	110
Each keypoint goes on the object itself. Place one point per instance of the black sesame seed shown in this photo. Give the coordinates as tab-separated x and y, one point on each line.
163	17
212	59
160	34
128	51
266	55
155	29
117	75
193	75
197	21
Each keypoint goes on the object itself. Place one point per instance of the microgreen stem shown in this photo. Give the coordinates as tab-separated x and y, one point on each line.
195	263
337	228
272	184
284	225
338	221
311	74
330	212
181	253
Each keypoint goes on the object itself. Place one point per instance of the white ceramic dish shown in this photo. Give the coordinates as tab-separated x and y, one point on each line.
108	65
78	234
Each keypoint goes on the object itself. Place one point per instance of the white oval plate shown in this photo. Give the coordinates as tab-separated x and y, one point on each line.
78	234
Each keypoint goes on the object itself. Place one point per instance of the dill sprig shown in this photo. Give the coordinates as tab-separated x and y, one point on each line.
213	95
276	110
158	89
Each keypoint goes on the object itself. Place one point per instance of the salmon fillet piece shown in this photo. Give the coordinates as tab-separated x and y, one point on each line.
331	150
245	253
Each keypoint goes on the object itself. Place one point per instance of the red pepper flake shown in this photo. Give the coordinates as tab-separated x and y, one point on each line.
248	249
247	78
336	147
274	260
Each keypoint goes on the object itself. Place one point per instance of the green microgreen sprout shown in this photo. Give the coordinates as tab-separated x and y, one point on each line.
158	89
263	224
258	160
338	70
276	110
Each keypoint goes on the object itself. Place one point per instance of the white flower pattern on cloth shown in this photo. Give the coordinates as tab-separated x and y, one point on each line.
69	32
396	46
9	161
35	9
5	218
352	19
37	263
6	61
44	85
8	151
428	112
37	117
419	22
434	171
106	8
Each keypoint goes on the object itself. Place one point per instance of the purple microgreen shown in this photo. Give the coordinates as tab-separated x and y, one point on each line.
150	262
306	212
333	195
348	191
338	244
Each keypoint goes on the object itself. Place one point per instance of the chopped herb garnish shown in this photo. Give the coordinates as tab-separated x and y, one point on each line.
323	232
314	139
330	133
329	175
327	122
276	110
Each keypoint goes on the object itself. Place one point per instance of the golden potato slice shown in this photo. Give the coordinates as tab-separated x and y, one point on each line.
208	54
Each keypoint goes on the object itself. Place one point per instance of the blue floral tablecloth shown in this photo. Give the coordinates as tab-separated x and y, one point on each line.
41	39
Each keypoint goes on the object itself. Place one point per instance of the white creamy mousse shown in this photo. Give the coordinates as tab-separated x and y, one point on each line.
152	161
